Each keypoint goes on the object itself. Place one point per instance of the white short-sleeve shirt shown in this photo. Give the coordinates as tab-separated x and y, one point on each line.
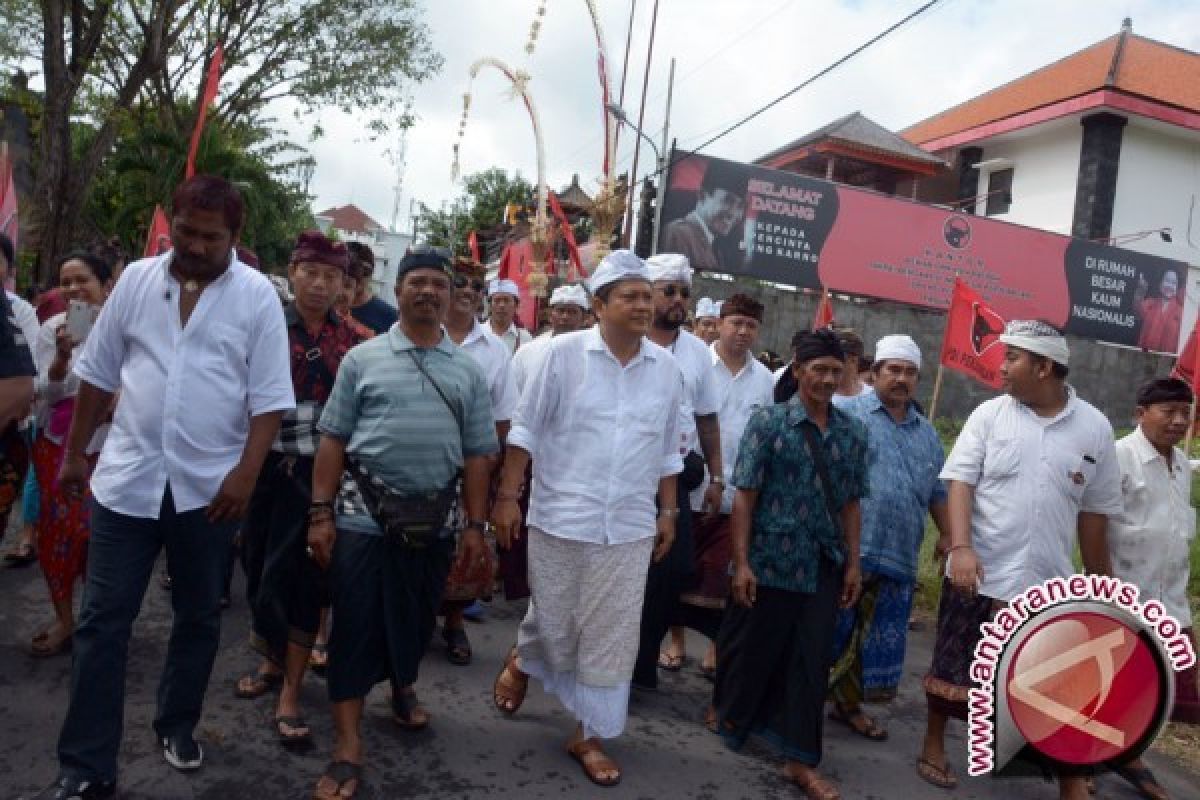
1032	476
186	394
1150	540
493	357
699	387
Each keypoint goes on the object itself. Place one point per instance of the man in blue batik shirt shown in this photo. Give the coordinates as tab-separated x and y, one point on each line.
904	457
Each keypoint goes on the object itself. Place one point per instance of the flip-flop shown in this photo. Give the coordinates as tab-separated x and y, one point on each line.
23	556
318	659
341	773
458	646
670	662
594	760
407	712
871	730
260	684
1142	779
294	740
931	773
815	788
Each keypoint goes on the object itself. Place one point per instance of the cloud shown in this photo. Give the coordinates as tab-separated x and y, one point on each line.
731	58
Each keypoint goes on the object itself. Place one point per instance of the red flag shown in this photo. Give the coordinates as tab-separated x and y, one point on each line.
516	264
1189	359
568	236
473	244
972	342
212	82
9	218
824	316
158	241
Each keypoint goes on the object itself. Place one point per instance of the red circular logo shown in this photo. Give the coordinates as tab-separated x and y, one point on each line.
1084	688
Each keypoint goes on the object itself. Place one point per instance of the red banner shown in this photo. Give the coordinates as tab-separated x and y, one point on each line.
516	264
158	241
972	342
742	219
577	271
824	316
473	246
212	82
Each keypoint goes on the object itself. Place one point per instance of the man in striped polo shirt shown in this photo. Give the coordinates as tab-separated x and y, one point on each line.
409	412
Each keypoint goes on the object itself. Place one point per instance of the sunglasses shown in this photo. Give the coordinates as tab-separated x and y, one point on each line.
462	283
672	290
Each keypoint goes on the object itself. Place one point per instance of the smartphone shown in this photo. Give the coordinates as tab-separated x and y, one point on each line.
81	317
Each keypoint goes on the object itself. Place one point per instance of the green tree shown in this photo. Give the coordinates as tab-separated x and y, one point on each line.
480	207
104	61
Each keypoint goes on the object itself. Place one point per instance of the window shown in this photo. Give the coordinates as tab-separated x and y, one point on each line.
999	191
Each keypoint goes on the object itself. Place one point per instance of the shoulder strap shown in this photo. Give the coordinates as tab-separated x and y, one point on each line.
818	456
446	400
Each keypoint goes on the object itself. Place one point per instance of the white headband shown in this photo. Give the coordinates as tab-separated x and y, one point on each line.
1036	337
670	267
900	347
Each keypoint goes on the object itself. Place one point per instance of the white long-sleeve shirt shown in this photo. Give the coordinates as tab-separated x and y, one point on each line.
187	393
601	436
1032	477
493	357
1149	540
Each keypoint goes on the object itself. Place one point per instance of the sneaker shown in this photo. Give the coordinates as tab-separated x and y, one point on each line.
66	788
182	752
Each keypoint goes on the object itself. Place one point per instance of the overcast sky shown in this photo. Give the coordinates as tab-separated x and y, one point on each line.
732	56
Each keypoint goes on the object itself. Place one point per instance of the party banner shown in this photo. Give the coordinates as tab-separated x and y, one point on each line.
778	226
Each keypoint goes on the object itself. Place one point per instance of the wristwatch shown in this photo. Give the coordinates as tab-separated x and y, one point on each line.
717	479
480	525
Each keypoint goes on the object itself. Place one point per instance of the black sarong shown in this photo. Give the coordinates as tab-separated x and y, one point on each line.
773	667
385	603
959	616
285	588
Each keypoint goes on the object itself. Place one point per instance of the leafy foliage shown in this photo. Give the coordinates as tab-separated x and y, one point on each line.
481	207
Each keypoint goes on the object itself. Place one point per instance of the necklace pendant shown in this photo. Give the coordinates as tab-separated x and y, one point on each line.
191	286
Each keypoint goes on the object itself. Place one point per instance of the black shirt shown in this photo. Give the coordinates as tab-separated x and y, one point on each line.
376	315
15	358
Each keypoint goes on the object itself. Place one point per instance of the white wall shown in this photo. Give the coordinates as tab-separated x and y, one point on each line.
1045	170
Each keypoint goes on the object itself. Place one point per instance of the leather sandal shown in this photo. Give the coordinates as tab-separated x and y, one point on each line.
594	761
931	773
340	773
256	684
815	787
407	712
508	692
300	735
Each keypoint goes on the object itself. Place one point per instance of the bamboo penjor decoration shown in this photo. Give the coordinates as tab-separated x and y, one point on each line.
539	232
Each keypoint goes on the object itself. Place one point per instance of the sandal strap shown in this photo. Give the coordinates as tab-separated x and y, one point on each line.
343	771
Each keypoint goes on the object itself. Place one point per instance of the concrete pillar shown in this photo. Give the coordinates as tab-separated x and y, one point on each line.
968	177
1096	186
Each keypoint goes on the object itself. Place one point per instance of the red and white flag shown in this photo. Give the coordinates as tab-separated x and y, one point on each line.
824	316
972	344
158	241
212	82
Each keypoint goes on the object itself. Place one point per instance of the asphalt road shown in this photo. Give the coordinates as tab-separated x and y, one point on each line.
470	750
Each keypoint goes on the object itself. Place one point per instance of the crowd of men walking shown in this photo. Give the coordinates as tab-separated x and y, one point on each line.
638	480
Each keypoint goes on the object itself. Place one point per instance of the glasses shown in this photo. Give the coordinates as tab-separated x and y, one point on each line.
462	283
672	290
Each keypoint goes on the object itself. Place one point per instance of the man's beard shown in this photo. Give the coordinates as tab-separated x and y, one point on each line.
663	321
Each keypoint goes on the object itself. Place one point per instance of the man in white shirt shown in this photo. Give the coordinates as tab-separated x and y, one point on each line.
743	385
1150	540
568	309
708	320
1032	471
600	422
494	358
503	298
699	432
14	452
195	343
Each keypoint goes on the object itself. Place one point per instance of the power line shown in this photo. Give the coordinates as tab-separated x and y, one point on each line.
803	84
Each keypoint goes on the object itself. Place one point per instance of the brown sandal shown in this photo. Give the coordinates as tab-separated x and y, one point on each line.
594	761
860	723
508	692
815	788
940	777
256	684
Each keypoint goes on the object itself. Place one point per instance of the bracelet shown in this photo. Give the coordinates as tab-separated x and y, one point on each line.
669	513
717	479
316	505
957	547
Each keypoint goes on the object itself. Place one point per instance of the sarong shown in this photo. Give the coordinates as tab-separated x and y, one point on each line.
580	634
64	523
869	643
665	583
959	617
712	551
285	588
773	667
1187	692
514	562
385	601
